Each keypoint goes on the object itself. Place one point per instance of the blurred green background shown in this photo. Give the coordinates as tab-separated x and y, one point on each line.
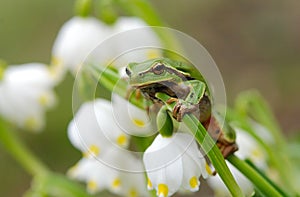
256	44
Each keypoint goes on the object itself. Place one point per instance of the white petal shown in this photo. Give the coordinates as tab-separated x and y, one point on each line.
249	148
36	74
88	129
163	163
220	189
130	118
76	39
109	127
97	175
262	132
25	94
140	44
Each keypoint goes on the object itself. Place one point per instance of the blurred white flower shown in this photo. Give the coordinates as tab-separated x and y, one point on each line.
220	190
94	130
130	118
132	41
262	132
79	36
248	149
76	39
173	163
137	45
25	94
99	175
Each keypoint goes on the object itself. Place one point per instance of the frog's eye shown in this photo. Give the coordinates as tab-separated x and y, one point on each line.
158	69
128	72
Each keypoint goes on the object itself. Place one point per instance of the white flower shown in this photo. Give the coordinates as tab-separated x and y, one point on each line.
138	44
262	132
80	36
94	130
25	94
114	172
221	190
248	149
130	118
76	39
173	163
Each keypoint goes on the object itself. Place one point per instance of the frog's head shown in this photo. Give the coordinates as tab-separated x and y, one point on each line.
153	71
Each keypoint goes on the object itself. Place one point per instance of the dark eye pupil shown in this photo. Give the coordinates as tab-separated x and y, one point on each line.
158	69
128	72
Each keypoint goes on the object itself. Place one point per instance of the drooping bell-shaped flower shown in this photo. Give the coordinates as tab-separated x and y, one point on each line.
94	130
133	41
130	118
248	149
220	190
173	163
76	39
25	94
118	172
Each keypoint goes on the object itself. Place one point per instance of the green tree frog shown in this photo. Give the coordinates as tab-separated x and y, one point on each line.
186	86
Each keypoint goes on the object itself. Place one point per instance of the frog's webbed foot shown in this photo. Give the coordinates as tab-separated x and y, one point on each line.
181	109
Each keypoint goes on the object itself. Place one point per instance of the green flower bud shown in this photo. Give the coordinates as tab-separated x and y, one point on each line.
164	122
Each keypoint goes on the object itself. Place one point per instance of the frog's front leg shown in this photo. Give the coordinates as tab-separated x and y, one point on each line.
189	104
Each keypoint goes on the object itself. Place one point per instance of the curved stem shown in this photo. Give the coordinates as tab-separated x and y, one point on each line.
260	182
208	146
20	152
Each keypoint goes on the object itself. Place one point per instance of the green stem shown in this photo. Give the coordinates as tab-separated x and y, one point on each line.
209	146
252	103
110	80
45	181
276	152
262	184
20	152
213	154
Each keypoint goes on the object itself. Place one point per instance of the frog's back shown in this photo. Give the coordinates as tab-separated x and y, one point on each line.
188	68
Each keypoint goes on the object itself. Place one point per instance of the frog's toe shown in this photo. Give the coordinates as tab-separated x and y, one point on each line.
177	112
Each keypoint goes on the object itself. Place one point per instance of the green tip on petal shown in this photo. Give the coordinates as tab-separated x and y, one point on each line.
83	7
3	65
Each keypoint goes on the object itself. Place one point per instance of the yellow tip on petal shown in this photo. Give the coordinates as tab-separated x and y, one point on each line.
44	100
72	171
55	61
1	72
138	122
116	183
162	190
194	183
92	186
151	54
56	67
122	140
133	193
256	153
93	150
31	124
149	185
208	169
